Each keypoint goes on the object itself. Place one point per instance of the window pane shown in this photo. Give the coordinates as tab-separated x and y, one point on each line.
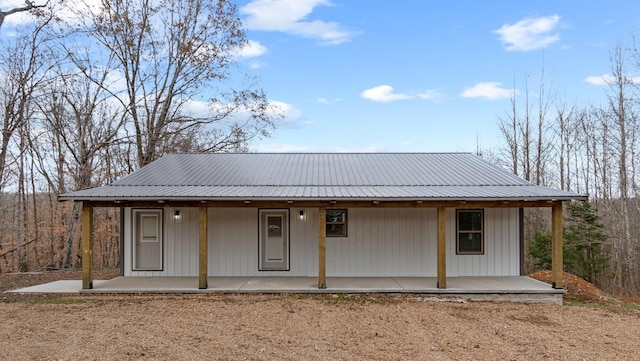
274	226
470	242
336	216
470	220
336	222
149	227
336	230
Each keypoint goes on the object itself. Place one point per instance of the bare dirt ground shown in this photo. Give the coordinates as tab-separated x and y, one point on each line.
322	327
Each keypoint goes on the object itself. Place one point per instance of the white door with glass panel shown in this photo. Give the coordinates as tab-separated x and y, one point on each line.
147	239
274	240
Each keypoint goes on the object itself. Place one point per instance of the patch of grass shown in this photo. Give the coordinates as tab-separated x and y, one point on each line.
355	298
632	306
57	301
610	304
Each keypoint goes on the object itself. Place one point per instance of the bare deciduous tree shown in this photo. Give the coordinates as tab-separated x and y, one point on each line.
169	53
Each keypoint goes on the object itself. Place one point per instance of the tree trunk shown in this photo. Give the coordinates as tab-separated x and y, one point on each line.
75	217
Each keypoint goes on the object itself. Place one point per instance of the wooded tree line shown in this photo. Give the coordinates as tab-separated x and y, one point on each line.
590	149
90	94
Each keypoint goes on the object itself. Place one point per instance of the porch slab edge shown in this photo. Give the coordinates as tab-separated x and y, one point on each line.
519	297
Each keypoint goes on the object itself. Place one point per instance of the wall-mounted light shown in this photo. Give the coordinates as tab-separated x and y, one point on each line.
177	217
302	216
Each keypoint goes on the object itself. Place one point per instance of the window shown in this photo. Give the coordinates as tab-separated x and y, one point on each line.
470	229
336	222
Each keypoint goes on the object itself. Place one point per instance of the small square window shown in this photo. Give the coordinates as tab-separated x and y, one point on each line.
470	231
336	222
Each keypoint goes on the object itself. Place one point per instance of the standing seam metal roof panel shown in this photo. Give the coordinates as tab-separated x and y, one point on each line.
312	176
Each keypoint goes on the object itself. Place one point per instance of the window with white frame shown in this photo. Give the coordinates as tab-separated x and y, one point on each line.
470	231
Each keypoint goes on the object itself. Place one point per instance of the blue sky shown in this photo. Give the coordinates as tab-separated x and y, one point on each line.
414	76
418	75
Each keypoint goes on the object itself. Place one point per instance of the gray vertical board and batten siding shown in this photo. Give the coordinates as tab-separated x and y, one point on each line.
380	242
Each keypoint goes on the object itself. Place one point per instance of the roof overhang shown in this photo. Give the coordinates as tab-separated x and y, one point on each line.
413	194
328	203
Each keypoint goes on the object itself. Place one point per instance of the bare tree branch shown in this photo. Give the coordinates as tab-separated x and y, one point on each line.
29	5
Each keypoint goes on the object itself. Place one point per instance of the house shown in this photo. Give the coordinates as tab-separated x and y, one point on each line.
319	215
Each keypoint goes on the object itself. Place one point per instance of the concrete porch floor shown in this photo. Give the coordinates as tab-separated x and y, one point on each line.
516	289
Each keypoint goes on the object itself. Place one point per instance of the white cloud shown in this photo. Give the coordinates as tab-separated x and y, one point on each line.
290	16
383	94
252	49
197	108
606	79
530	33
291	114
255	64
600	80
325	101
488	90
431	94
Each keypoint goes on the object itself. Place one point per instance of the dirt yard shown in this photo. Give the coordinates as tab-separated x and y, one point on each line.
327	327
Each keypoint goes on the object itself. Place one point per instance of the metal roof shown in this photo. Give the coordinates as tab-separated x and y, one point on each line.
327	176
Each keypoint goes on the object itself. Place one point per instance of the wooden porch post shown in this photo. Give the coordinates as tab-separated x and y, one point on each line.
556	245
87	247
203	237
322	248
442	247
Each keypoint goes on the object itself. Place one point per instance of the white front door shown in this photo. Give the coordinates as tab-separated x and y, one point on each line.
147	246
274	240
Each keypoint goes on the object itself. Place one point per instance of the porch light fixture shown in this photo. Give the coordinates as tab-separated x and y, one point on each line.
177	217
302	216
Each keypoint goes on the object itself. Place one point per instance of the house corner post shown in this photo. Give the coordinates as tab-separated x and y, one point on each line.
556	245
203	240
322	248
87	246
442	247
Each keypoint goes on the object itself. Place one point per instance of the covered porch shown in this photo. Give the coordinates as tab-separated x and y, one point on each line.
322	283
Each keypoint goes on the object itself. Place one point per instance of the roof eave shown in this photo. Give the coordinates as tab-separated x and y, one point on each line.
323	199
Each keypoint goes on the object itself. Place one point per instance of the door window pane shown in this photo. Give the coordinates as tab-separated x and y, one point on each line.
149	227
274	225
